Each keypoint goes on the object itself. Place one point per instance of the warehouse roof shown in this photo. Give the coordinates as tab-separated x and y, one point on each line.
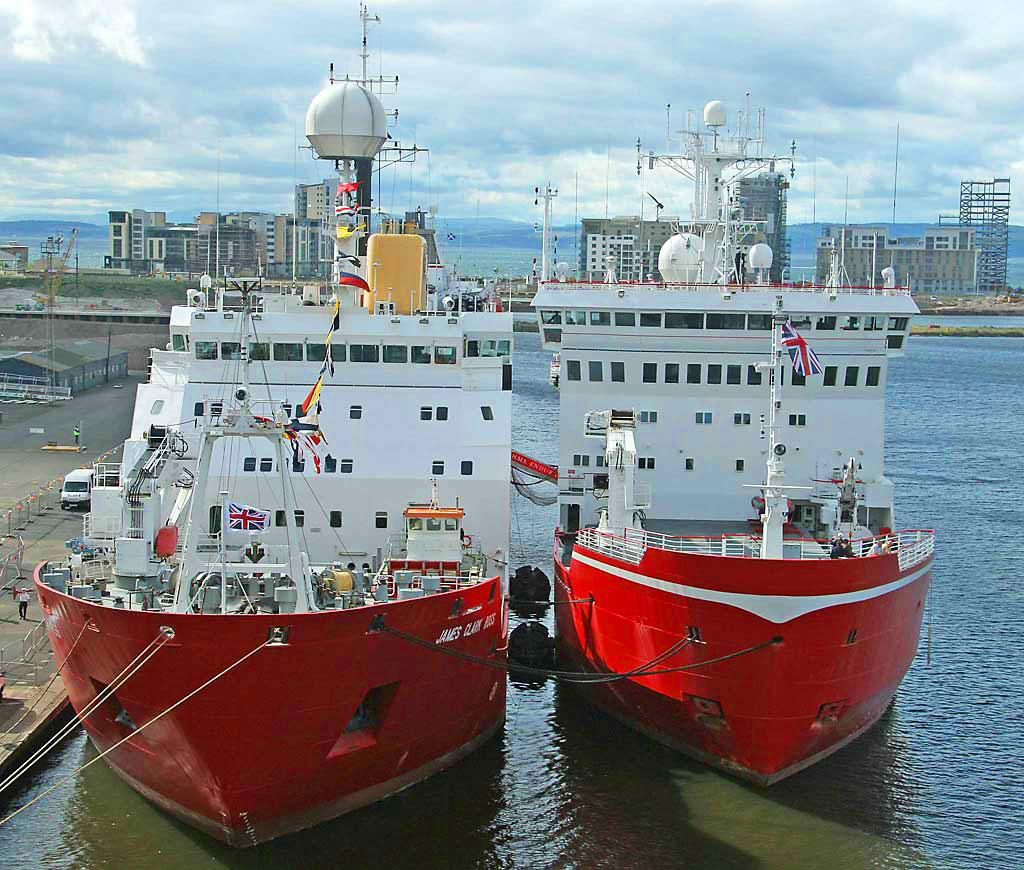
67	355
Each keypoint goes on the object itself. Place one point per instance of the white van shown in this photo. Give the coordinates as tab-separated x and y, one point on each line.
77	489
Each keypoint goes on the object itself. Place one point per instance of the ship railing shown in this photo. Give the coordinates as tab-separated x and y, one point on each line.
912	547
447	582
96	571
732	288
107	474
100	528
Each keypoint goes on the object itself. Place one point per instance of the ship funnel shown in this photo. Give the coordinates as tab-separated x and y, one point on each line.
346	121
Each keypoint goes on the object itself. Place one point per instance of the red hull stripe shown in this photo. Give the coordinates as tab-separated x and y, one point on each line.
774	608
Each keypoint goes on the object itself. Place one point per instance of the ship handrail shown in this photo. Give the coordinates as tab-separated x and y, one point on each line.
912	546
858	290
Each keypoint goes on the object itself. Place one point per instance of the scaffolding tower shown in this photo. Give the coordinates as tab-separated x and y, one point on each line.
985	207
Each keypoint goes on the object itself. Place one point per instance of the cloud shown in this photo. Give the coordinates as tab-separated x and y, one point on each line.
132	109
41	32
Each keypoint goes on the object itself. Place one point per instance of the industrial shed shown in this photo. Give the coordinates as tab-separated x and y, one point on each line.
77	364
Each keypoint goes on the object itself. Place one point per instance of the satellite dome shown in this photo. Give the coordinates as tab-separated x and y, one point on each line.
345	120
760	256
714	114
889	276
679	256
562	269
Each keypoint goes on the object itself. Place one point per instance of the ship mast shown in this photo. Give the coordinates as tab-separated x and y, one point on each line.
547	194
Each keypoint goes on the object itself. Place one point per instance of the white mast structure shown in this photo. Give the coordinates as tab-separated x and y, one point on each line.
715	161
240	422
547	194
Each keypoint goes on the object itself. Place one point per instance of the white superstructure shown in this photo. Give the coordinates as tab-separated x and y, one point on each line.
419	389
692	359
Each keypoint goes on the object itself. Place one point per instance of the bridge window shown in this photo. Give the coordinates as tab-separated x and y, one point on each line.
714	374
684	320
266	464
335	519
576	318
396	353
289	351
826	323
618	372
572	369
650	318
596	370
197	409
650	373
739	464
648	416
797	419
551	317
300	519
316	352
419	353
330	464
249	463
762	322
899	323
753	376
206	350
798	380
346	466
467	467
741	419
625	318
365	353
830	376
380	520
427	412
688	464
852	324
645	463
486	412
441	413
703	418
230	350
733	374
437	467
717	320
874	324
693	373
874	373
671	373
600	318
444	355
852	374
177	341
894	342
355	412
800	321
259	350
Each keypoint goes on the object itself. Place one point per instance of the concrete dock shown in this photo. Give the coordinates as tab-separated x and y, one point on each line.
33	705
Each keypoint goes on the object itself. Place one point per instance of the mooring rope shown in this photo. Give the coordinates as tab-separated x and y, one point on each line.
137	731
46	688
148	652
521	602
580	676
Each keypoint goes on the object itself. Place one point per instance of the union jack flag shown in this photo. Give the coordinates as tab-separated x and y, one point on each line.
805	360
243	518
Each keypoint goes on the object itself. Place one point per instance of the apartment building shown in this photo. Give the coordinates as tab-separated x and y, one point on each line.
943	260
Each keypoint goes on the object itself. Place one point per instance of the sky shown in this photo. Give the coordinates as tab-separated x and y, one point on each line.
138	109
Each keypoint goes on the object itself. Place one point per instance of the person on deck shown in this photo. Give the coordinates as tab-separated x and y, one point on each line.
837	549
23	595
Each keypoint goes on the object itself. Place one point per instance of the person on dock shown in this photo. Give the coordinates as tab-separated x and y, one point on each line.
23	595
77	433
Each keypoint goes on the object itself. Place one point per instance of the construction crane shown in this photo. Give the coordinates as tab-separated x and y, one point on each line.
51	285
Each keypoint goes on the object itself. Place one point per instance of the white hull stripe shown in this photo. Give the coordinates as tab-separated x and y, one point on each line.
774	608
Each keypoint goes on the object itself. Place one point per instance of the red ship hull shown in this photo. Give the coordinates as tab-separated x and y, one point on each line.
276	744
849	630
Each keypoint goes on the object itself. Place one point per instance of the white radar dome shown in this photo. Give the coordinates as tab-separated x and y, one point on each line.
562	269
679	257
889	276
345	120
714	114
760	256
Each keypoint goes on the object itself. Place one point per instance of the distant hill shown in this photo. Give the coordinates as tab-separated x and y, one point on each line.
41	228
